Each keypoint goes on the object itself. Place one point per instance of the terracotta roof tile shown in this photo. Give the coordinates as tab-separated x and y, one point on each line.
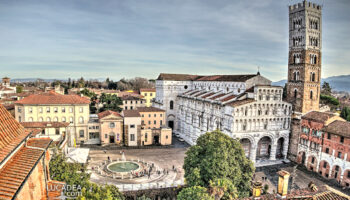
228	98
208	95
44	124
16	170
240	102
318	116
43	143
148	90
130	97
53	98
217	96
108	113
11	133
341	128
149	109
131	113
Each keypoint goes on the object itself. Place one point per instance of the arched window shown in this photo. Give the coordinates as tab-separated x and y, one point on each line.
41	119
30	119
295	93
55	119
171	105
81	120
311	94
313	77
63	119
48	119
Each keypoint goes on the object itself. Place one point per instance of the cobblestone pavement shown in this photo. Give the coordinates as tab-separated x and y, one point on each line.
301	177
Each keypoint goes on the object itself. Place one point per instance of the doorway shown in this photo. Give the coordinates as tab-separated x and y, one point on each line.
156	140
171	124
111	139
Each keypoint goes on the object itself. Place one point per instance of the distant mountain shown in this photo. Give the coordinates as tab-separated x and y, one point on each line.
338	83
21	80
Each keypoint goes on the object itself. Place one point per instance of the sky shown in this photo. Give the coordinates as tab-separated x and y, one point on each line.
142	38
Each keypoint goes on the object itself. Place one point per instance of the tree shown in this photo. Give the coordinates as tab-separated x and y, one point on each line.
74	174
19	89
87	93
217	156
345	113
194	193
326	89
329	100
110	102
223	189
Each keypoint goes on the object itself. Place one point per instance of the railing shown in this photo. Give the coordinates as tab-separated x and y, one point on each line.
147	186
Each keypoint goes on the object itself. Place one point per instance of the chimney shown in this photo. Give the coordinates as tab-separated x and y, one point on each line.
283	183
257	186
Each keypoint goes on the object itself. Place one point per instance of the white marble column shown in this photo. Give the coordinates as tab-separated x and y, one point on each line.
253	150
273	150
285	148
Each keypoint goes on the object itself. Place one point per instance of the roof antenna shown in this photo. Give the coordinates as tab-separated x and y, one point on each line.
258	70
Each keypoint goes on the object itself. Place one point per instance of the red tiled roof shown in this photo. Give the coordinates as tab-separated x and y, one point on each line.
147	90
207	95
240	102
130	97
107	113
131	113
44	124
341	128
11	133
228	98
16	170
149	109
39	142
56	193
53	98
217	96
318	116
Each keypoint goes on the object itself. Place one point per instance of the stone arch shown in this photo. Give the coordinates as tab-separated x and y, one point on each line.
280	145
324	168
171	121
312	163
246	145
264	147
336	172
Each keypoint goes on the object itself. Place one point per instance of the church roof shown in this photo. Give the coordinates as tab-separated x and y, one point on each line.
53	98
189	77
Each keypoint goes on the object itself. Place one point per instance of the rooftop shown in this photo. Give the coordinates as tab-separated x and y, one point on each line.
148	90
149	109
318	116
44	124
339	127
189	77
131	113
108	113
130	97
53	98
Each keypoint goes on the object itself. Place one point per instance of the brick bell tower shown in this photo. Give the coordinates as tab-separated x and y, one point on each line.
304	63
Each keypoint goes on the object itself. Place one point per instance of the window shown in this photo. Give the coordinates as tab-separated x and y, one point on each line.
313	160
143	122
55	119
55	109
146	137
132	137
131	107
30	110
151	94
161	115
81	109
40	110
41	119
145	94
48	119
161	122
149	115
126	107
63	110
106	136
149	122
311	94
154	122
70	109
171	105
328	136
327	150
185	87
339	154
81	133
132	126
81	120
265	126
63	119
155	115
166	137
295	93
142	115
48	109
71	120
348	174
112	125
57	131
324	165
30	119
342	139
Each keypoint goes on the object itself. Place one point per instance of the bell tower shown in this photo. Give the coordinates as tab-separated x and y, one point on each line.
304	60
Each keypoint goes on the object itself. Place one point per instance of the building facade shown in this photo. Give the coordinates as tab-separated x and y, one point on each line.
132	102
257	117
148	95
111	127
5	87
324	146
304	63
54	107
169	86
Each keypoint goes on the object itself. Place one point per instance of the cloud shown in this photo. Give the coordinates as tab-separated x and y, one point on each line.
144	38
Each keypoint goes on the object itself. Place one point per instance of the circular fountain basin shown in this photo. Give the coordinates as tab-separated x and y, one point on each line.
123	166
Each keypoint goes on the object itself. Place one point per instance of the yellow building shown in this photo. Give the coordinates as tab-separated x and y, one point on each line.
148	94
54	107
